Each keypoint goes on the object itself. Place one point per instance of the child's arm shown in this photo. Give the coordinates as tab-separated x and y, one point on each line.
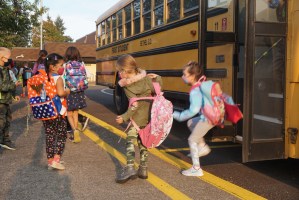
195	106
60	88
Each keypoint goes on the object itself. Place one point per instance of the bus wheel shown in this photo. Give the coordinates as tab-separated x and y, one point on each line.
120	100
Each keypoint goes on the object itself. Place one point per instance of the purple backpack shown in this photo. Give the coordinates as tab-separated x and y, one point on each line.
75	76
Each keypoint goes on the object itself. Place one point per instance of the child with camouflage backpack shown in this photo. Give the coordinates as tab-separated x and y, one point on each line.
136	84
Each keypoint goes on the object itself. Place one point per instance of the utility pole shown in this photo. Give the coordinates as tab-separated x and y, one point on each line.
41	26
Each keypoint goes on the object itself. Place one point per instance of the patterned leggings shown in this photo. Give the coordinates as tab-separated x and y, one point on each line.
55	136
130	153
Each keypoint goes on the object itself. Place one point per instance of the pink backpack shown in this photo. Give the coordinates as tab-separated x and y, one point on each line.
213	103
161	119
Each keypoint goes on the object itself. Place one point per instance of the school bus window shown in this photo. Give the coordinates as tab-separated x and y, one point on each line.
158	11
173	10
119	24
98	35
103	41
147	14
108	33
136	16
190	7
217	3
128	26
114	28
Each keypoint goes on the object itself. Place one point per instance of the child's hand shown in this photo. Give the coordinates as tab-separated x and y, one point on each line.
119	120
152	76
17	98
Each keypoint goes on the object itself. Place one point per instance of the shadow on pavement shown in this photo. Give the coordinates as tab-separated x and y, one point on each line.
34	181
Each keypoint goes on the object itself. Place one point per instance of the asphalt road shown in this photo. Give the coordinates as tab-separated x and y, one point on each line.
276	179
92	165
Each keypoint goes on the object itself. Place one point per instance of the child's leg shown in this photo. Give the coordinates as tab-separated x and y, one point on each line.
196	140
191	123
61	136
50	139
24	90
2	121
142	170
129	172
70	118
143	152
7	124
75	118
130	149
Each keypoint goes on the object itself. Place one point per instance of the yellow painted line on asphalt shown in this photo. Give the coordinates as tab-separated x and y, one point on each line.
224	185
160	184
188	149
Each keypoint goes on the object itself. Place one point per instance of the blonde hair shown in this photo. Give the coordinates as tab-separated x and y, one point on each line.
128	63
4	50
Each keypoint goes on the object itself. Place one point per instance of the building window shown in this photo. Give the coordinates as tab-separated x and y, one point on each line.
159	11
98	35
147	14
103	37
119	24
108	30
137	16
173	8
128	18
190	7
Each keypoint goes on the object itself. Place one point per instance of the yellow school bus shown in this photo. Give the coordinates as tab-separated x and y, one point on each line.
251	47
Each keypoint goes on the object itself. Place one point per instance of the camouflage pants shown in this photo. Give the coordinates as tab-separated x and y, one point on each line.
132	136
5	119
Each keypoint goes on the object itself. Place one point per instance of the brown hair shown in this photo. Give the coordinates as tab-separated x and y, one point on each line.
194	68
41	56
126	62
72	53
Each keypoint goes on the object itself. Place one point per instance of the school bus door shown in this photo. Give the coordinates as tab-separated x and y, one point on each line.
218	51
264	81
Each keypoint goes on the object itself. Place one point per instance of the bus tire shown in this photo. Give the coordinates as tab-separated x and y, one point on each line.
120	100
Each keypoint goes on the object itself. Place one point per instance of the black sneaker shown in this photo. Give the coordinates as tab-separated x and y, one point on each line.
8	145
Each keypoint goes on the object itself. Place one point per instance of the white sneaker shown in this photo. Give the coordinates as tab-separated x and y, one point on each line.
85	124
57	165
193	172
203	151
50	166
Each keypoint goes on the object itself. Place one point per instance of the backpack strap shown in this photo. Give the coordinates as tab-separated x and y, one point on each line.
157	88
132	100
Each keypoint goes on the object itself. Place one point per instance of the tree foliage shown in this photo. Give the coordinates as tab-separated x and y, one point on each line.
20	24
53	31
17	19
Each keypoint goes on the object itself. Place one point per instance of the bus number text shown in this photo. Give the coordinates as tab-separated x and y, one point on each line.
145	42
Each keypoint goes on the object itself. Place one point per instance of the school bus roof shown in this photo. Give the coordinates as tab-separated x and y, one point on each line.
120	4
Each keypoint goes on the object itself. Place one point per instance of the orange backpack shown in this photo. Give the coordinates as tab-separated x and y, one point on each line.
41	91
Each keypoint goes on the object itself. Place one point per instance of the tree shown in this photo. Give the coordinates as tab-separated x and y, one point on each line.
17	19
53	31
60	25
